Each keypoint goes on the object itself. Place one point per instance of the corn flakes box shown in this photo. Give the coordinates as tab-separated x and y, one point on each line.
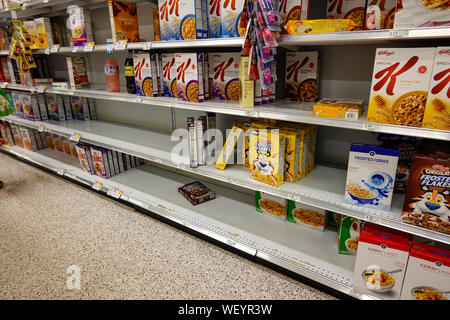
169	75
306	216
380	14
231	12
348	235
267	150
190	77
400	82
271	205
348	9
370	176
145	74
164	22
16	136
226	83
124	21
214	18
302	75
100	162
437	110
334	220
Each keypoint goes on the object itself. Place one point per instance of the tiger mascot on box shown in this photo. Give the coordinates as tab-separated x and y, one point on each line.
433	202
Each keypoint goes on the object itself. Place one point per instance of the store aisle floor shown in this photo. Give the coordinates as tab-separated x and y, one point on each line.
48	225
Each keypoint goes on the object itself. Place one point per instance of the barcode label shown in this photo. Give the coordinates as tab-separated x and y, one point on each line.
351	115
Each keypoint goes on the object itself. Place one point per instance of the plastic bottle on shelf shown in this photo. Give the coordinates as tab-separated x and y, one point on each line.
112	75
129	75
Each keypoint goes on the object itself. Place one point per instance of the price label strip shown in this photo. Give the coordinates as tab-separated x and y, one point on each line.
120	45
75	49
89	46
398	33
55	48
147	46
61	171
97	186
75	137
115	193
41	128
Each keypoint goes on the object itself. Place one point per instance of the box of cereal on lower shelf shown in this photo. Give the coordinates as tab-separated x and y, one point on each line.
28	138
302	76
86	164
30	107
190	77
348	235
16	135
380	264
348	9
306	216
428	273
169	74
437	111
400	82
271	205
55	106
370	176
80	108
100	162
226	83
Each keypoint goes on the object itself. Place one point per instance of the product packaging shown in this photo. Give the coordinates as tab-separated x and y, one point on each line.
169	74
320	26
196	193
226	81
80	26
348	235
100	162
124	21
164	22
145	74
302	75
16	135
190	77
421	14
80	108
228	148
30	107
306	216
84	157
380	14
348	9
77	72
338	108
271	205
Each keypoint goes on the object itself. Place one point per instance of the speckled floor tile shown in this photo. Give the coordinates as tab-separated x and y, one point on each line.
122	254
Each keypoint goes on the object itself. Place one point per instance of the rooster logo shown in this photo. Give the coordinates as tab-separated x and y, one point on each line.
432	202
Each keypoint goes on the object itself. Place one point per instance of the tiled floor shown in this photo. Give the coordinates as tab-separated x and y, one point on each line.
48	225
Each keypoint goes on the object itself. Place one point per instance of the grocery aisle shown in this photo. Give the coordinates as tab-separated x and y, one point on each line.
48	224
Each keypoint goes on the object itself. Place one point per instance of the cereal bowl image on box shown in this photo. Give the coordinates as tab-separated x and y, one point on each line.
378	279
271	205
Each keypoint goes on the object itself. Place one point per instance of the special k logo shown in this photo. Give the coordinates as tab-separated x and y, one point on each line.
231	3
389	75
221	68
181	70
167	67
214	7
164	12
293	69
335	4
138	68
174	7
444	78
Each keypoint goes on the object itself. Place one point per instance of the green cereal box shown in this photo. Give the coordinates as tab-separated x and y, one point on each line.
271	205
348	235
307	216
334	219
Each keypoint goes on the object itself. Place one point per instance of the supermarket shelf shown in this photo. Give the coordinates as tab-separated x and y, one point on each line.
280	110
230	219
365	37
323	188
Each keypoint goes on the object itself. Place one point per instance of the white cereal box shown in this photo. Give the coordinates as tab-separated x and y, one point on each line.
370	176
437	111
400	82
185	19
348	9
231	12
28	139
169	74
190	77
164	22
30	107
380	14
214	18
84	157
18	141
423	13
428	273
293	10
302	75
145	74
100	162
111	163
67	107
226	83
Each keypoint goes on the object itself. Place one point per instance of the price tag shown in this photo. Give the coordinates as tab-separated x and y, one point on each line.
75	137
41	89
115	193
147	46
370	126
231	243
41	128
138	100
120	45
97	186
3	85
89	46
61	171
47	51
370	218
398	33
55	48
75	49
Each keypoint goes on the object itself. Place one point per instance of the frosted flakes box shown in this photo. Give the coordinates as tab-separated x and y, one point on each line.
100	162
422	13
380	264
427	274
271	205
169	74
190	77
400	82
306	216
302	75
380	14
226	83
437	110
370	176
231	12
145	74
348	9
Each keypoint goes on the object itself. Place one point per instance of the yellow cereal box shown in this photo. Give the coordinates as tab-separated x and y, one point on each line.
230	143
400	82
338	108
267	149
437	111
292	155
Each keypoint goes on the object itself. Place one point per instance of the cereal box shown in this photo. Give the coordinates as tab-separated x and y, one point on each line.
293	10
400	82
80	108
301	75
266	161
196	193
164	22
226	83
6	133
66	146
100	162
206	75
169	74
73	149
18	107
58	143
30	107
55	106
348	9
293	153
214	18
67	107
190	77
49	140
16	136
86	164
427	197
228	148
189	22
421	13
380	264
437	111
334	220
231	12
124	21
380	14
306	216
370	176
92	108
80	25
427	274
348	235
28	138
271	205
77	72
338	108
146	84
42	106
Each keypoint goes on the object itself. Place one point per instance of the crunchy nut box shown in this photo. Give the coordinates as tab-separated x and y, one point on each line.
380	14
301	76
190	77
226	83
400	82
422	13
437	111
347	9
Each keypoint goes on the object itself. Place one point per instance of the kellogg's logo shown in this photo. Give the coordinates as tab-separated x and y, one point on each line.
444	51
386	53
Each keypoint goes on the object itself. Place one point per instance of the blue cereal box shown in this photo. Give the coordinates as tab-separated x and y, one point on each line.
371	176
